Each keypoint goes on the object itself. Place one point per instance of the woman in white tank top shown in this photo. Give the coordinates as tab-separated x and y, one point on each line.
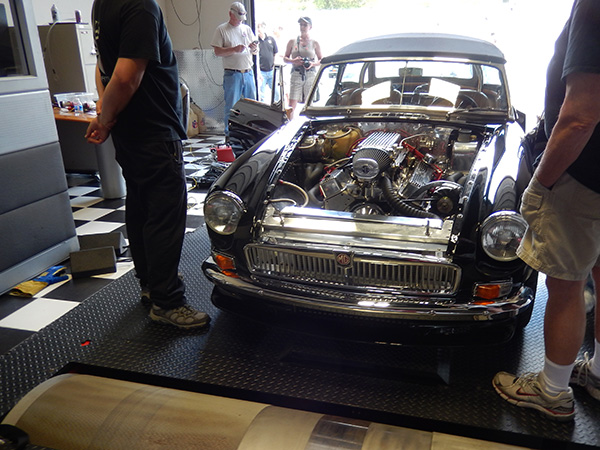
305	55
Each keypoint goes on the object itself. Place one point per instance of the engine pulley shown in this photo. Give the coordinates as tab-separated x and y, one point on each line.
445	198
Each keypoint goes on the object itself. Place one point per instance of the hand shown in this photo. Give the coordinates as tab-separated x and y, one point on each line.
253	47
96	132
547	183
239	48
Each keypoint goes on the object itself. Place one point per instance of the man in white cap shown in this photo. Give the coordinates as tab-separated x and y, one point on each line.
235	42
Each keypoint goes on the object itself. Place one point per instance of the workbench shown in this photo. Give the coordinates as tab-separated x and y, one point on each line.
75	150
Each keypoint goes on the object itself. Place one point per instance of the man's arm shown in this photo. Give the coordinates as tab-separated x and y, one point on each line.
578	117
124	82
228	51
99	88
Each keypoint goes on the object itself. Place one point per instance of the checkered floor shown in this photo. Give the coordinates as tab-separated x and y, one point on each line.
23	317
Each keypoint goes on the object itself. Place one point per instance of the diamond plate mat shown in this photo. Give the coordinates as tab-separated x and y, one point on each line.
429	388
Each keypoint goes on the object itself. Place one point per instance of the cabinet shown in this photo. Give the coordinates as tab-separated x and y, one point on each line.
36	222
69	57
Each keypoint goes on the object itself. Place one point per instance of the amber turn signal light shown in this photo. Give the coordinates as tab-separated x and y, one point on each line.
225	263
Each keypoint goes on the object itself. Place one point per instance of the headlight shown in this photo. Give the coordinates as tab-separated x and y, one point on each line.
223	211
501	234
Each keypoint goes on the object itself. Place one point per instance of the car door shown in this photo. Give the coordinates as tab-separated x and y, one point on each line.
250	120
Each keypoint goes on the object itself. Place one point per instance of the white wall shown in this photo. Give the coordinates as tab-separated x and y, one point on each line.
66	10
192	23
182	22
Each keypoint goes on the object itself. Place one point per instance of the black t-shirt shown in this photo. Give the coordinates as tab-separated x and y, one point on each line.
577	50
267	50
136	29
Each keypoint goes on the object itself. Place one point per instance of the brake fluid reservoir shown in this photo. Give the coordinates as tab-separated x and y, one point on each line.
338	143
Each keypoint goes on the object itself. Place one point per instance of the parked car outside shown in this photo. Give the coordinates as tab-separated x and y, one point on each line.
387	209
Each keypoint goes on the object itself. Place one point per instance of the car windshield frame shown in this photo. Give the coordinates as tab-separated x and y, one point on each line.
438	84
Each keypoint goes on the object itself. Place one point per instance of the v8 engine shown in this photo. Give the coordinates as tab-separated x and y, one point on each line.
410	170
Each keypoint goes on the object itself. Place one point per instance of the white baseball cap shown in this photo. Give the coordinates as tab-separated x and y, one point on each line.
239	9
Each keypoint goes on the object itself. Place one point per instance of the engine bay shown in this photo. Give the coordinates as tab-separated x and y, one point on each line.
400	169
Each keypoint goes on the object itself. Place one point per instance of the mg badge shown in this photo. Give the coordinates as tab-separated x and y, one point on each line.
343	259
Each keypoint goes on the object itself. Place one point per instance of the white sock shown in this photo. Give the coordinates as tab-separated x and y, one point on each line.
595	361
556	377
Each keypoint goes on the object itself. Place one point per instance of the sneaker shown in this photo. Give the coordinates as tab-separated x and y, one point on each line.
527	392
182	317
583	376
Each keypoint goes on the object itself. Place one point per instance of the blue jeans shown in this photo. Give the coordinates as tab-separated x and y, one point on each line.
267	81
237	85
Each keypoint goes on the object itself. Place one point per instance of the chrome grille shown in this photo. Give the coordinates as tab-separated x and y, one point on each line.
358	270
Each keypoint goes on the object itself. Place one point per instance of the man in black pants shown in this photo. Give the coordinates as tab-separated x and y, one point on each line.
267	51
140	105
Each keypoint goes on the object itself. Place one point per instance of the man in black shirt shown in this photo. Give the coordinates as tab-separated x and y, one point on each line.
140	106
267	51
561	206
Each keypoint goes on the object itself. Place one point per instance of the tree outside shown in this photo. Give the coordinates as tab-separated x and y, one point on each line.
339	4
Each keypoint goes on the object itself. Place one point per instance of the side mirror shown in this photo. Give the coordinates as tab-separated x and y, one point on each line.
520	118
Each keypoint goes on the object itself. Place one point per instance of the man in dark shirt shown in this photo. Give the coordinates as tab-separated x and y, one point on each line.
140	106
561	206
267	51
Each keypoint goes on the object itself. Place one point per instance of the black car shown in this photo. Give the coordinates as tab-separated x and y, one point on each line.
388	206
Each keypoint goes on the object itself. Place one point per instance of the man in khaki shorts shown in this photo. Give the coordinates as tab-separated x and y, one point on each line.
562	207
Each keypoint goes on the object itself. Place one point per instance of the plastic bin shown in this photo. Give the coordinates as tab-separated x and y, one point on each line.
66	99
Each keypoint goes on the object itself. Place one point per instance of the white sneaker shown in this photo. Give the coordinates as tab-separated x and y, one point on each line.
527	392
583	376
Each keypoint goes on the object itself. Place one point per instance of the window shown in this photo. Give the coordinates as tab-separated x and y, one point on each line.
491	76
352	73
12	57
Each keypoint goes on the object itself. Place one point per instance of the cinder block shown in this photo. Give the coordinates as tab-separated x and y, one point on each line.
86	263
114	239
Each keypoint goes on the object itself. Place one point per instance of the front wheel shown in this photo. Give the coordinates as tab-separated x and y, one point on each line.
524	318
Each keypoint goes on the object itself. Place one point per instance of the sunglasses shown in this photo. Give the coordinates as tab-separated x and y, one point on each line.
238	13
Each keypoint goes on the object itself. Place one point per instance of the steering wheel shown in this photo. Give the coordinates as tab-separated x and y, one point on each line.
465	102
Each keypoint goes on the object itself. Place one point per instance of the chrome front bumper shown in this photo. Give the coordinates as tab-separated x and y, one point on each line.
376	304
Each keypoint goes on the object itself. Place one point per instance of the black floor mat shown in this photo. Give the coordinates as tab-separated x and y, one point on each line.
430	388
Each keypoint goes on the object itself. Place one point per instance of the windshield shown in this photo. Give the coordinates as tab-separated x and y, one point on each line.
428	83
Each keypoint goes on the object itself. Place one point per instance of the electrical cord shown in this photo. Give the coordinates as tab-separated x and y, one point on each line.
197	20
47	51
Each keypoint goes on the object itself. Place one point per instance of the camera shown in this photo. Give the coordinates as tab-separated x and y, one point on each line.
306	63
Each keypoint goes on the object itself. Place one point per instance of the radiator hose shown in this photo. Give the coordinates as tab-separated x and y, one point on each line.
398	204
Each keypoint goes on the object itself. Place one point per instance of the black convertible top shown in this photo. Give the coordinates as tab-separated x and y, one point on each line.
418	44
